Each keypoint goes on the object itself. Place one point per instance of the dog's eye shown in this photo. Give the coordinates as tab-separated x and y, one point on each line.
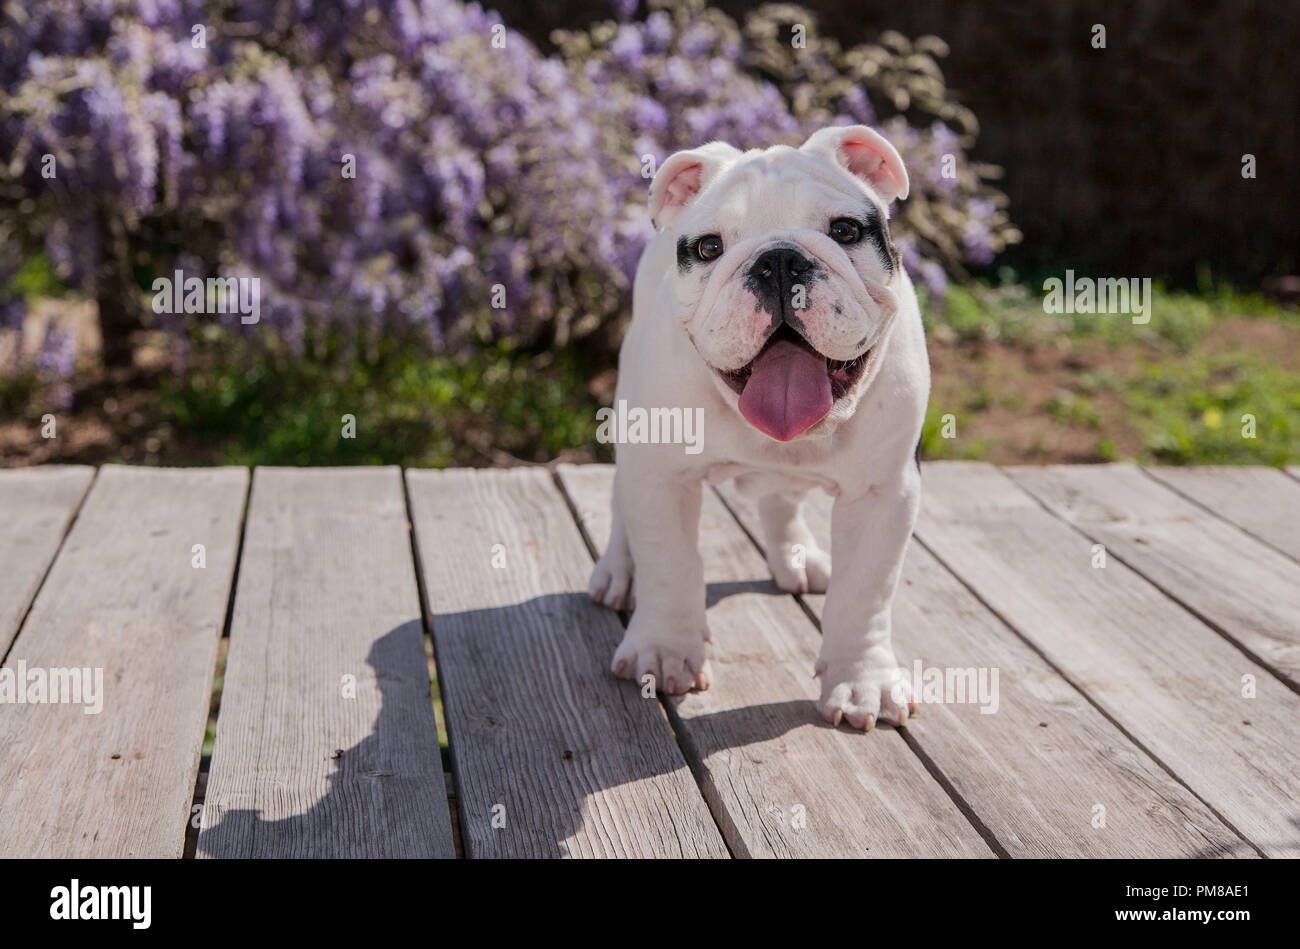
845	231
709	247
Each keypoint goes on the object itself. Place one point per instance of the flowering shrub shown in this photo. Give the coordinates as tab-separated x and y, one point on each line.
690	74
473	164
215	137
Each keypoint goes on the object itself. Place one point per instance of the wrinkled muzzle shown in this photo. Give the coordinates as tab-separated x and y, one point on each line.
800	331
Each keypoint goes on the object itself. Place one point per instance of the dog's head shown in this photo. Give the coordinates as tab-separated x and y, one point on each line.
785	271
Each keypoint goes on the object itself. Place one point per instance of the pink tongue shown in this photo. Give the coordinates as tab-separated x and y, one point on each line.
788	391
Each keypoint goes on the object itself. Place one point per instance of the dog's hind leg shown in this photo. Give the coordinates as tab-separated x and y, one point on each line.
797	563
612	579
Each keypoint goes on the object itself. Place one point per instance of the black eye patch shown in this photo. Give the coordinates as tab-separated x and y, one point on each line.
686	258
875	231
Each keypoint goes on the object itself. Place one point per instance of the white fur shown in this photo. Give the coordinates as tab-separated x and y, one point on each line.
684	327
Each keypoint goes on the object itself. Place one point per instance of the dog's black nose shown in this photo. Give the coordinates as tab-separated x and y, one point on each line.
780	263
776	271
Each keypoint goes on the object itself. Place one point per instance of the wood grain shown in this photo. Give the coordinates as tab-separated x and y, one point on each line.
1261	501
36	506
552	755
783	782
1245	588
1226	727
1039	763
326	742
122	597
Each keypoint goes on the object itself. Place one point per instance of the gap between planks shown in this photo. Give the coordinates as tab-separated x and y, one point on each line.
440	710
72	521
1244	589
1225	492
120	783
40	507
1031	770
780	781
551	756
326	743
1178	696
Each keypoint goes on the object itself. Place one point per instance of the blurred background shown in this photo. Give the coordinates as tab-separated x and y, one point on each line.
443	206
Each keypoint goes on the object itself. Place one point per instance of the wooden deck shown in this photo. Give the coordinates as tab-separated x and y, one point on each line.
1150	707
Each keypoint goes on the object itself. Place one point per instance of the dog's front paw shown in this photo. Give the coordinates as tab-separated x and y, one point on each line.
667	649
864	691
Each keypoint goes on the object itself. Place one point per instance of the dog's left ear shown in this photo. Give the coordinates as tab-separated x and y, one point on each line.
865	154
682	177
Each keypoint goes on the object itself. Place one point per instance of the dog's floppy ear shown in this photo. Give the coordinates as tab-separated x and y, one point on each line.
682	177
865	154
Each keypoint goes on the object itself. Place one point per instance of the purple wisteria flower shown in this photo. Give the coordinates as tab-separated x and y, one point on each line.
409	166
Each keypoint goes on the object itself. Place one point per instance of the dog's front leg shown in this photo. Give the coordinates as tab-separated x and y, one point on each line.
665	638
860	677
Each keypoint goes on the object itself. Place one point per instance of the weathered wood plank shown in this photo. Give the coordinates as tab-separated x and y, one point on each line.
787	783
326	742
1248	590
125	598
552	756
1262	501
1034	768
36	506
1226	727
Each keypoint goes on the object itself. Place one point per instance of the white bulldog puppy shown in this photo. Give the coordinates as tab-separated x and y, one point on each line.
773	298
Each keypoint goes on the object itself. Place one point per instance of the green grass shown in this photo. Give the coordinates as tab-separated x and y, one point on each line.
1073	409
1013	312
1196	411
276	407
934	445
1186	400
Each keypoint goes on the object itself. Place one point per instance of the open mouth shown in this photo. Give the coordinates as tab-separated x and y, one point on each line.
789	386
842	374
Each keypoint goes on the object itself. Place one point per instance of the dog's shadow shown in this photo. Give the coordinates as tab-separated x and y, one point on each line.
384	791
539	730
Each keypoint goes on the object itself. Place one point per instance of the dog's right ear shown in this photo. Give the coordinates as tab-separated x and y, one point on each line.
682	177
